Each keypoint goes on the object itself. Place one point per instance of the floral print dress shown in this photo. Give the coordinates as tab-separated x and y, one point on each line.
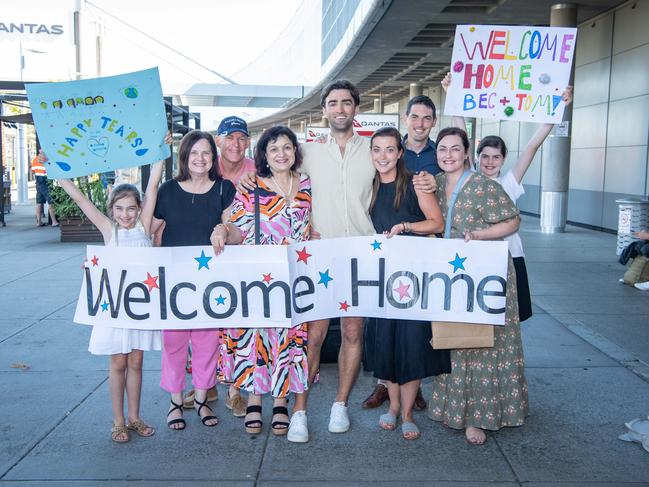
269	360
487	387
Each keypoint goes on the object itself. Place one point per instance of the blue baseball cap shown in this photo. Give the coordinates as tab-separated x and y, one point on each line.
232	124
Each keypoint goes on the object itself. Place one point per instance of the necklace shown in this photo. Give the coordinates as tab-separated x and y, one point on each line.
279	188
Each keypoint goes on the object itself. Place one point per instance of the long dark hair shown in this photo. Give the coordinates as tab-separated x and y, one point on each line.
186	145
403	175
271	135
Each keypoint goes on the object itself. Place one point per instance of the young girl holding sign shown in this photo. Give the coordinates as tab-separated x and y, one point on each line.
127	225
492	153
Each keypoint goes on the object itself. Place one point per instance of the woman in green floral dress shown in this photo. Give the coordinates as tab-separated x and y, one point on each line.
486	389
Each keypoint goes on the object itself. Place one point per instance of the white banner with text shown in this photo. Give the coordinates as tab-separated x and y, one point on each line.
410	278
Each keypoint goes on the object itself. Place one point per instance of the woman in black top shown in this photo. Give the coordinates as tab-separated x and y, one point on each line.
402	353
191	205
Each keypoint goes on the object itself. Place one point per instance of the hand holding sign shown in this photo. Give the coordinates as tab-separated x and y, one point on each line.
98	125
510	72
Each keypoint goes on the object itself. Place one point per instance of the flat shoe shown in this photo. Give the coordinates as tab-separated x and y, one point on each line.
140	427
388	421
118	431
178	421
209	417
236	404
188	401
410	431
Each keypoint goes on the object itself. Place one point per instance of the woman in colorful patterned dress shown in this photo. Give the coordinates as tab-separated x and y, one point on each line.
486	389
270	360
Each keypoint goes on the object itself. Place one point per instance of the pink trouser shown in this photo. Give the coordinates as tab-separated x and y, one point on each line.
205	345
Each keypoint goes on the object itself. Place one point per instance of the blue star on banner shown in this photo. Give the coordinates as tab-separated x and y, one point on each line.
202	260
104	306
457	263
376	245
220	300
325	278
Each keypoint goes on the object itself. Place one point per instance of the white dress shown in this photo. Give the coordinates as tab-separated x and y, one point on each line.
106	340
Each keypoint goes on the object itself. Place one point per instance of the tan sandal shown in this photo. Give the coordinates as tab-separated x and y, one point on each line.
118	431
140	427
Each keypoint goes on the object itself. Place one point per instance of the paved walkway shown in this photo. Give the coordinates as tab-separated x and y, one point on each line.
587	349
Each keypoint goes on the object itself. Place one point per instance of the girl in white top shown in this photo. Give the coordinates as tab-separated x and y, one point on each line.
127	225
492	153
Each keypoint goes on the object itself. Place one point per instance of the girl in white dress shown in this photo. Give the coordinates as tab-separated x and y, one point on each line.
127	225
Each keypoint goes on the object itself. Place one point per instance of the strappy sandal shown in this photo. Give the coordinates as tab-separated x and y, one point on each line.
388	421
140	427
117	431
280	428
180	421
207	418
253	427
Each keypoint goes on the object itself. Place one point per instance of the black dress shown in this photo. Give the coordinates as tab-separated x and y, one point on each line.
399	350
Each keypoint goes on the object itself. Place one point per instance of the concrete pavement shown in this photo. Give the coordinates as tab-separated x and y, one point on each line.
587	349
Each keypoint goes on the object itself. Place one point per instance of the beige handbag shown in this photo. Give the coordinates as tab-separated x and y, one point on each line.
448	334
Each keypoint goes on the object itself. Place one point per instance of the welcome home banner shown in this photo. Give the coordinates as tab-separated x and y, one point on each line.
412	278
510	72
101	124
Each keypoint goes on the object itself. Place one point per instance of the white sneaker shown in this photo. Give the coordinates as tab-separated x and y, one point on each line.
621	279
643	286
339	419
297	430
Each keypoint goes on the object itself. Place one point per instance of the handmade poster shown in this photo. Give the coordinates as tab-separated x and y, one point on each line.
101	124
510	72
412	278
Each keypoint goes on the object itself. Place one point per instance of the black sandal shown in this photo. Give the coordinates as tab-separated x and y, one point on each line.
180	421
253	427
280	428
207	418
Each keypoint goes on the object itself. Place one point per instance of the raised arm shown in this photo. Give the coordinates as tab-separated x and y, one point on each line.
101	221
458	121
151	192
527	155
151	196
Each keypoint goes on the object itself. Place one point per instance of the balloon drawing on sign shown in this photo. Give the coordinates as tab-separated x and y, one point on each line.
98	147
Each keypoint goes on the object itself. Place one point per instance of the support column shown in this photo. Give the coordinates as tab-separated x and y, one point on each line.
22	166
415	90
555	165
378	105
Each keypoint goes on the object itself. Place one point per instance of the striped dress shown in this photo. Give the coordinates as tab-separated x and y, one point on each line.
269	360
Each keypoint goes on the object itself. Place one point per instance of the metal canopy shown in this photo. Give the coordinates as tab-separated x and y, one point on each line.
222	95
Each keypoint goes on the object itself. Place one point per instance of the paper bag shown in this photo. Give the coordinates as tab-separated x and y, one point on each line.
461	335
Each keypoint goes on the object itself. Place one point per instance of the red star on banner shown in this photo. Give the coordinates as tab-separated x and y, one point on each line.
303	255
344	305
267	278
151	281
94	260
403	290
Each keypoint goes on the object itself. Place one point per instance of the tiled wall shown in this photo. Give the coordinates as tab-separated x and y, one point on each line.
610	130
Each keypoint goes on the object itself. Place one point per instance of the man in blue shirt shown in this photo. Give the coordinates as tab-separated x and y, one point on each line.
420	156
421	152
